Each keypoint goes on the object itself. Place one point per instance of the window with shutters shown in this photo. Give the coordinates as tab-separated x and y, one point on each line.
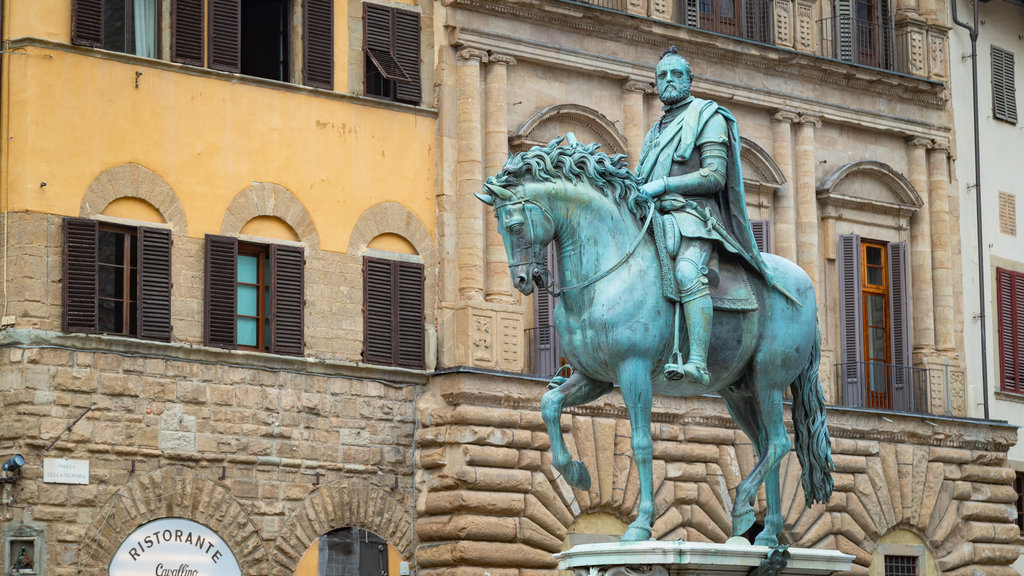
128	26
1010	305
117	279
750	19
1004	91
876	370
393	313
762	234
542	340
862	31
391	53
264	39
255	296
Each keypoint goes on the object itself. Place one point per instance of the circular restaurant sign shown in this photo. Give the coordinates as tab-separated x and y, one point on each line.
174	547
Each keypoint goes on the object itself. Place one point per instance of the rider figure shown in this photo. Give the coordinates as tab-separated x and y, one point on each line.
690	167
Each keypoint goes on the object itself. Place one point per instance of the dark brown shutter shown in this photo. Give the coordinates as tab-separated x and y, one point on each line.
1004	96
378	41
378	311
884	56
221	306
87	23
1010	298
81	238
546	352
762	234
226	35
409	304
187	32
850	329
904	397
154	283
287	299
407	53
318	43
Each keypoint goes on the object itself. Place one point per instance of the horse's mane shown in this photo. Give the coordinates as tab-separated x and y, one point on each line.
575	162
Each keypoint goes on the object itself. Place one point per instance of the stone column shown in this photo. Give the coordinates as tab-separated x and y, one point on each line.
633	117
499	282
942	258
469	169
921	250
784	225
808	256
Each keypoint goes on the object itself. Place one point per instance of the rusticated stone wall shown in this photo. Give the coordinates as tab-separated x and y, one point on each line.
489	502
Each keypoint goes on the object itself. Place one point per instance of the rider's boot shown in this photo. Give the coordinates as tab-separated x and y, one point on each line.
698	314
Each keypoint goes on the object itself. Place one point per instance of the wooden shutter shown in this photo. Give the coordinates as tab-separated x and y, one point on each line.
904	397
885	38
843	33
226	35
154	283
762	234
80	262
187	32
1010	303
318	43
87	23
407	53
287	299
409	305
378	311
378	41
850	328
1004	96
221	291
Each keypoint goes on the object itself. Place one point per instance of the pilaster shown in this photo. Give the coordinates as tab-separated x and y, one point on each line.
499	282
942	263
807	200
921	251
784	225
633	114
469	170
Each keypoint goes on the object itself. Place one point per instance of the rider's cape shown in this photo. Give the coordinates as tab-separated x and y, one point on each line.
677	143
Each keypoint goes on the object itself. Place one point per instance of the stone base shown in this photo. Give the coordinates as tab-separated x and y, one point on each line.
654	558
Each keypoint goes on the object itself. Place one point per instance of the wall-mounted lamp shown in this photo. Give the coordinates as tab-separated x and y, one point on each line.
12	469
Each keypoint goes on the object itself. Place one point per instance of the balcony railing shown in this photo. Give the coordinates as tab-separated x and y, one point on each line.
620	5
544	356
883	386
864	42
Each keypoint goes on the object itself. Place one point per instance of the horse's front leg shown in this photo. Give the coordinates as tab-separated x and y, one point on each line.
577	390
635	381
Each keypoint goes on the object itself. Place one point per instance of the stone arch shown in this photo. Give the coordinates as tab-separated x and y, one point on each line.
269	199
180	492
554	121
134	181
336	505
871	186
759	168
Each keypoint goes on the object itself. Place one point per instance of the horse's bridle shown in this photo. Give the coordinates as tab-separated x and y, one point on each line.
550	287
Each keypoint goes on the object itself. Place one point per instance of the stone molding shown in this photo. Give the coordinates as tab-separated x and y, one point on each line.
814	121
501	59
584	115
468	54
269	199
337	505
392	218
919	142
173	491
786	116
766	171
909	200
134	181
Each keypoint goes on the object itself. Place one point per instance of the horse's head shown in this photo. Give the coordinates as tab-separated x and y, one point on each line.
526	228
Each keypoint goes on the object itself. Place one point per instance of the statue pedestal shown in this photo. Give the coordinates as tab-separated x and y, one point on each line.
677	558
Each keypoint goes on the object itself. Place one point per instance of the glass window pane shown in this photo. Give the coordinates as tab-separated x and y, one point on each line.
248	304
875	277
144	26
109	319
878	378
873	255
876	344
876	310
110	281
111	247
247	331
248	269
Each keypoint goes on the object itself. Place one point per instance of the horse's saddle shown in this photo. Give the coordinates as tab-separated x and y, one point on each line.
727	278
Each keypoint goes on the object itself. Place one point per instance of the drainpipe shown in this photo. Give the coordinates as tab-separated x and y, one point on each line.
973	31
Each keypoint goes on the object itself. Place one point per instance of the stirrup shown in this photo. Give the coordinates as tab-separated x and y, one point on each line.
674	369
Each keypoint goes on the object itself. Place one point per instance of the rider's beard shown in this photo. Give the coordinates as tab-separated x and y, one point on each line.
673	94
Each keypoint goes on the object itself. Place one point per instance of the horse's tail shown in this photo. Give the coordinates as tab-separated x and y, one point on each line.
810	429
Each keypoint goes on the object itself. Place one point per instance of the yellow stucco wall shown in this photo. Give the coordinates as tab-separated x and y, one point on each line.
70	115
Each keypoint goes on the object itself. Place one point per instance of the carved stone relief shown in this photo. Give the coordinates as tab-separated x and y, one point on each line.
805	26
783	22
482	329
937	54
510	357
917	61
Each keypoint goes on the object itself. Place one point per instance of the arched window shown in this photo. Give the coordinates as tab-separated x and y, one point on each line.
350	551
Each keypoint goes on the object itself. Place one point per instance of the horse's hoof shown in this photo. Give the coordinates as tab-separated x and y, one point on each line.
742	520
577	475
636	534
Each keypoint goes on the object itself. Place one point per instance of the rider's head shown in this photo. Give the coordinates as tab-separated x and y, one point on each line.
674	77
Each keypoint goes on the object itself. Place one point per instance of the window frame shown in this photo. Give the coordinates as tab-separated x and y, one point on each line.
130	324
1004	89
264	320
399	64
1010	329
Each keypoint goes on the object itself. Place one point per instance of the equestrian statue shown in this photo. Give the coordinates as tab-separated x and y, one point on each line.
639	252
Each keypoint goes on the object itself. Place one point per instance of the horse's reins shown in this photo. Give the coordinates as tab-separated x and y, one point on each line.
557	291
